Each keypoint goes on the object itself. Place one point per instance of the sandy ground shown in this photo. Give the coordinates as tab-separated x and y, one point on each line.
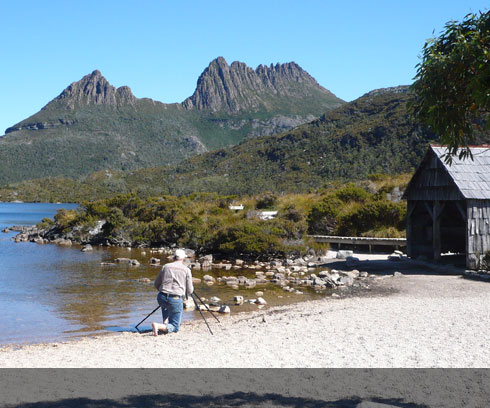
426	321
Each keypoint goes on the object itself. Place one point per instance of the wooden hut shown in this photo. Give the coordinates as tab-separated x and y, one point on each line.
448	206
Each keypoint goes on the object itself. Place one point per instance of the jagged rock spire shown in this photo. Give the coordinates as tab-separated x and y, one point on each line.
95	89
237	87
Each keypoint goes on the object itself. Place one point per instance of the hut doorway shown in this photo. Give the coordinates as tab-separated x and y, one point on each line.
453	228
437	227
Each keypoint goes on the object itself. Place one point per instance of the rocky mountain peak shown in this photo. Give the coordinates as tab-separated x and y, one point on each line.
95	89
237	87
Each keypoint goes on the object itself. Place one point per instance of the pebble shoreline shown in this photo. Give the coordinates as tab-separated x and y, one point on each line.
425	321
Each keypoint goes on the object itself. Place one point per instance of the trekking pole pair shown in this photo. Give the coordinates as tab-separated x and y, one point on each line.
193	295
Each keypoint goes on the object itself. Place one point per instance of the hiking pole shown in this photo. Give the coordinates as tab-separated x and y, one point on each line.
206	306
198	308
136	327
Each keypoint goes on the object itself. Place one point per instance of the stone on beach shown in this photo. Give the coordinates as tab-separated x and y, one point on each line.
395	256
238	300
344	254
260	301
350	274
345	280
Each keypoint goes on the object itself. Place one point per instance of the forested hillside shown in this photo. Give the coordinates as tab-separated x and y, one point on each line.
374	134
93	126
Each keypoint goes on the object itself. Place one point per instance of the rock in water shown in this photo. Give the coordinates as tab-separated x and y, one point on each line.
224	309
189	304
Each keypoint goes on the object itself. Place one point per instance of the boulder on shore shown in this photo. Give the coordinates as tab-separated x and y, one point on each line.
64	242
344	254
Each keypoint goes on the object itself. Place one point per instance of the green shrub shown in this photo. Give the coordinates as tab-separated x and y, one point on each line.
266	201
248	238
65	219
156	231
376	176
97	209
46	223
114	222
322	219
372	215
351	192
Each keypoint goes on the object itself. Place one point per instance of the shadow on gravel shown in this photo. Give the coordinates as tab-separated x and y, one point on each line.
407	267
236	399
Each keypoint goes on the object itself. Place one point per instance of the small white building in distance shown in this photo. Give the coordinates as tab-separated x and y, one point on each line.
236	207
267	215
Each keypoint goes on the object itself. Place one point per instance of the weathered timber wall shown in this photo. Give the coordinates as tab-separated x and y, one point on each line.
478	241
432	182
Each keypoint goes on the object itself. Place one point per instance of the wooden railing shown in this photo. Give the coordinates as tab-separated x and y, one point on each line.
370	241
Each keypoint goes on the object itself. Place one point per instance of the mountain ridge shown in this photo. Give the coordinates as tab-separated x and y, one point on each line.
373	134
92	125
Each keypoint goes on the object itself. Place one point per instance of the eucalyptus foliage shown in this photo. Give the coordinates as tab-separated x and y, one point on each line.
452	85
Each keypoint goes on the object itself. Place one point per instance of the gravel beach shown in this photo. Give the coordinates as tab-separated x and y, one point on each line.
415	320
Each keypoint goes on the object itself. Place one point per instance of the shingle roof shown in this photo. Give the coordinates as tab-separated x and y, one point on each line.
471	176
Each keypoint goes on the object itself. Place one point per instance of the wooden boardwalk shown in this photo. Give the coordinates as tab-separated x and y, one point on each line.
370	241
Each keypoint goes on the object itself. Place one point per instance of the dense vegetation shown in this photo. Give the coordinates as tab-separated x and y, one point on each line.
453	80
205	223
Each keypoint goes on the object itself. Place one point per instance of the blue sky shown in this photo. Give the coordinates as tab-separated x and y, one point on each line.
159	47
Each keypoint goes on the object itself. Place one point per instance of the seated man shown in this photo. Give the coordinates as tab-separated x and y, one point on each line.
174	282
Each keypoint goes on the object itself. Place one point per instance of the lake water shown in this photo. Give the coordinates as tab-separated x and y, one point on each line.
52	293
